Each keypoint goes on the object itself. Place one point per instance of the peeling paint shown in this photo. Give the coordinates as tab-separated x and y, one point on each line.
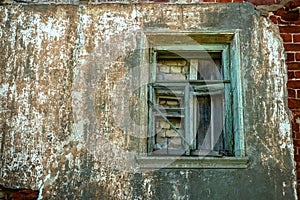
67	81
4	89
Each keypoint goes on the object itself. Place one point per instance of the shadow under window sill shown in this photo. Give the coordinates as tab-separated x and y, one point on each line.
192	162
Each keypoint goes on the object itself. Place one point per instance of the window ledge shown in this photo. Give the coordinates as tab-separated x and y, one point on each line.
184	162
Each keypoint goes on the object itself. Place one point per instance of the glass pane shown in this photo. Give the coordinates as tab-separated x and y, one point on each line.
210	69
210	123
203	123
175	66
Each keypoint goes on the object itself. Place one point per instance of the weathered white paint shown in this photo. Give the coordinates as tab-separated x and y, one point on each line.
69	79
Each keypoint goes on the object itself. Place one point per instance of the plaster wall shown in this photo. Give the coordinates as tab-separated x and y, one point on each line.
66	86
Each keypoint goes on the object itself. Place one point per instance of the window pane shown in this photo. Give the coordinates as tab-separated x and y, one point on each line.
210	123
205	108
167	140
172	69
203	123
210	69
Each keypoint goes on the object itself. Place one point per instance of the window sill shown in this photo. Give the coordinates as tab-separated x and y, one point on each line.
184	162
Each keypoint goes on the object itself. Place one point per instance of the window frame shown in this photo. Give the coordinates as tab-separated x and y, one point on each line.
189	133
228	42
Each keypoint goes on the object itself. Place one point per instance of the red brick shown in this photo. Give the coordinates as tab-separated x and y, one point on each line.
294	137
295	124
297	157
297	137
294	84
286	37
280	12
290	57
292	47
288	15
208	1
289	29
282	22
294	104
288	23
297	75
261	2
297	151
298	173
298	94
296	37
238	1
297	143
225	1
294	66
295	129
296	22
292	4
295	115
297	56
22	195
298	166
291	75
292	93
274	19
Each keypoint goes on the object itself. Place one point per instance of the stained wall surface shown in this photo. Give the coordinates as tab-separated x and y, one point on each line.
67	87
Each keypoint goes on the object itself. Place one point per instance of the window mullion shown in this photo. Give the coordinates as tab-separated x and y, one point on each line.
193	76
228	103
212	123
153	67
151	120
187	130
193	69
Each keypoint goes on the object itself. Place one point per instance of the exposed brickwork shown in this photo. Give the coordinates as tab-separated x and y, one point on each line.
296	37
166	136
264	2
288	20
21	194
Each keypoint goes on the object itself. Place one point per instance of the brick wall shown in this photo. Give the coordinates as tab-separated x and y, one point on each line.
288	20
7	194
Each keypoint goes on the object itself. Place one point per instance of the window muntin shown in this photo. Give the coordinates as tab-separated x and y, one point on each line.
190	101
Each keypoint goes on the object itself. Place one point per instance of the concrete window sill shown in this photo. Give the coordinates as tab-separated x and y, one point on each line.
189	162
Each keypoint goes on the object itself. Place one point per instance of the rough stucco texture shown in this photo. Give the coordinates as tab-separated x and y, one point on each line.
65	73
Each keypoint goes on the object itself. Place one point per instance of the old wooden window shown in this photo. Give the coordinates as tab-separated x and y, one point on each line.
193	100
190	101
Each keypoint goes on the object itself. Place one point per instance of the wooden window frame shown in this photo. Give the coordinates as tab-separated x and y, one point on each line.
189	133
228	43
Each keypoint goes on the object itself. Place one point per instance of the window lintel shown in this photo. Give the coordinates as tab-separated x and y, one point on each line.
192	37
